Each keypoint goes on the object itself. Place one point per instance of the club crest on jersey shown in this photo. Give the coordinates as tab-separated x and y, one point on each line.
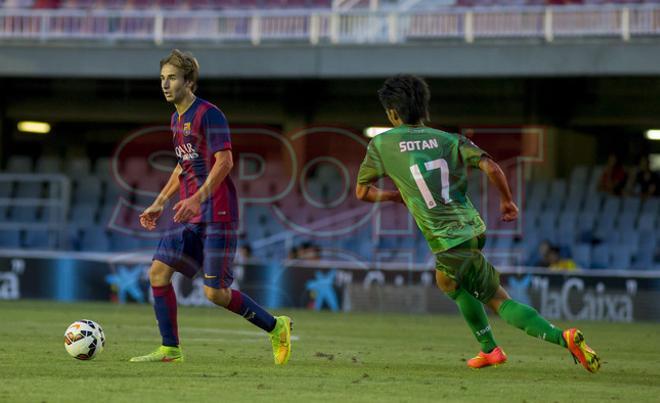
186	129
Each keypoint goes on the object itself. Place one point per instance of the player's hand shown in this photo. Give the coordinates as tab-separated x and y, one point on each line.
150	215
397	197
186	209
509	211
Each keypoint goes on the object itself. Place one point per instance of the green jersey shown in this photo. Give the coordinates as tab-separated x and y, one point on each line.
429	167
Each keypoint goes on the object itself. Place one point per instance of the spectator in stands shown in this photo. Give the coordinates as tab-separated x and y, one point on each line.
646	181
556	263
309	251
614	176
244	253
543	254
243	256
293	253
306	251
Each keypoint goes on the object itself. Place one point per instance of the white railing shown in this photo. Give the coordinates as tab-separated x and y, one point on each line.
328	26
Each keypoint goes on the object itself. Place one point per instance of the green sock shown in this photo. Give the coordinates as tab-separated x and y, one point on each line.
526	318
475	316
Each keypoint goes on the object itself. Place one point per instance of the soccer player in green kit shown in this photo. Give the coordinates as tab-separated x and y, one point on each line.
429	169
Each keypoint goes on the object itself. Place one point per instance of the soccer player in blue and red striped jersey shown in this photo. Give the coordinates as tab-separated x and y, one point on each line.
203	236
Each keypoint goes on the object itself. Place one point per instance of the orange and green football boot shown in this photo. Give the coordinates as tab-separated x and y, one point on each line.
494	358
280	337
580	351
162	354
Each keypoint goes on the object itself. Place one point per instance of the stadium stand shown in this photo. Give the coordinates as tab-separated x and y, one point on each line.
317	22
293	4
595	230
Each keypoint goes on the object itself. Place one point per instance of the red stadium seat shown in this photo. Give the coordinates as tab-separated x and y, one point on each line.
46	4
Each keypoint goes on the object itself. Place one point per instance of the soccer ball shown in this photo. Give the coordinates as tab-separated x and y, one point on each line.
84	339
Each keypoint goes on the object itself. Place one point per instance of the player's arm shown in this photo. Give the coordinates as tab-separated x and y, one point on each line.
371	194
170	188
370	171
508	208
150	215
190	207
224	162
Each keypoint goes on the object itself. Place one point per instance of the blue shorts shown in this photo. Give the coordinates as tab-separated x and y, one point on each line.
208	246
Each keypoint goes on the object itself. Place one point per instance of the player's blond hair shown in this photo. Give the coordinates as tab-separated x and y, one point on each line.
186	62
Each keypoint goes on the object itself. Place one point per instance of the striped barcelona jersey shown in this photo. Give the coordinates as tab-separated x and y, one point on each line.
198	133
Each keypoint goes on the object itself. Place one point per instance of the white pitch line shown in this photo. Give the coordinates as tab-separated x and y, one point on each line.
236	332
218	331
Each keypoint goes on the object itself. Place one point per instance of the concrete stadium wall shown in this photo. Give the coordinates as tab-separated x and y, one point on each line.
432	59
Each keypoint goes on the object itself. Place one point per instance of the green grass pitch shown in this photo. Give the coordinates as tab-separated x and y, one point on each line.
336	357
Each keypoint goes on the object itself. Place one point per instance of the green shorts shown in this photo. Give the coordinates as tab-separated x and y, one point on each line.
466	265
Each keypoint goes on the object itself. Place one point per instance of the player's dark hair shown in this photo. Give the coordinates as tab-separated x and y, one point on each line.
408	95
186	62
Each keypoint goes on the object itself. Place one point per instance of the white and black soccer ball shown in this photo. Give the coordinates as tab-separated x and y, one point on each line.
84	339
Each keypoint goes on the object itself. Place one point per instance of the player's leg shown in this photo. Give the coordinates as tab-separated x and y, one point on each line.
165	308
240	304
278	328
528	319
160	277
471	309
524	317
219	251
179	250
472	282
